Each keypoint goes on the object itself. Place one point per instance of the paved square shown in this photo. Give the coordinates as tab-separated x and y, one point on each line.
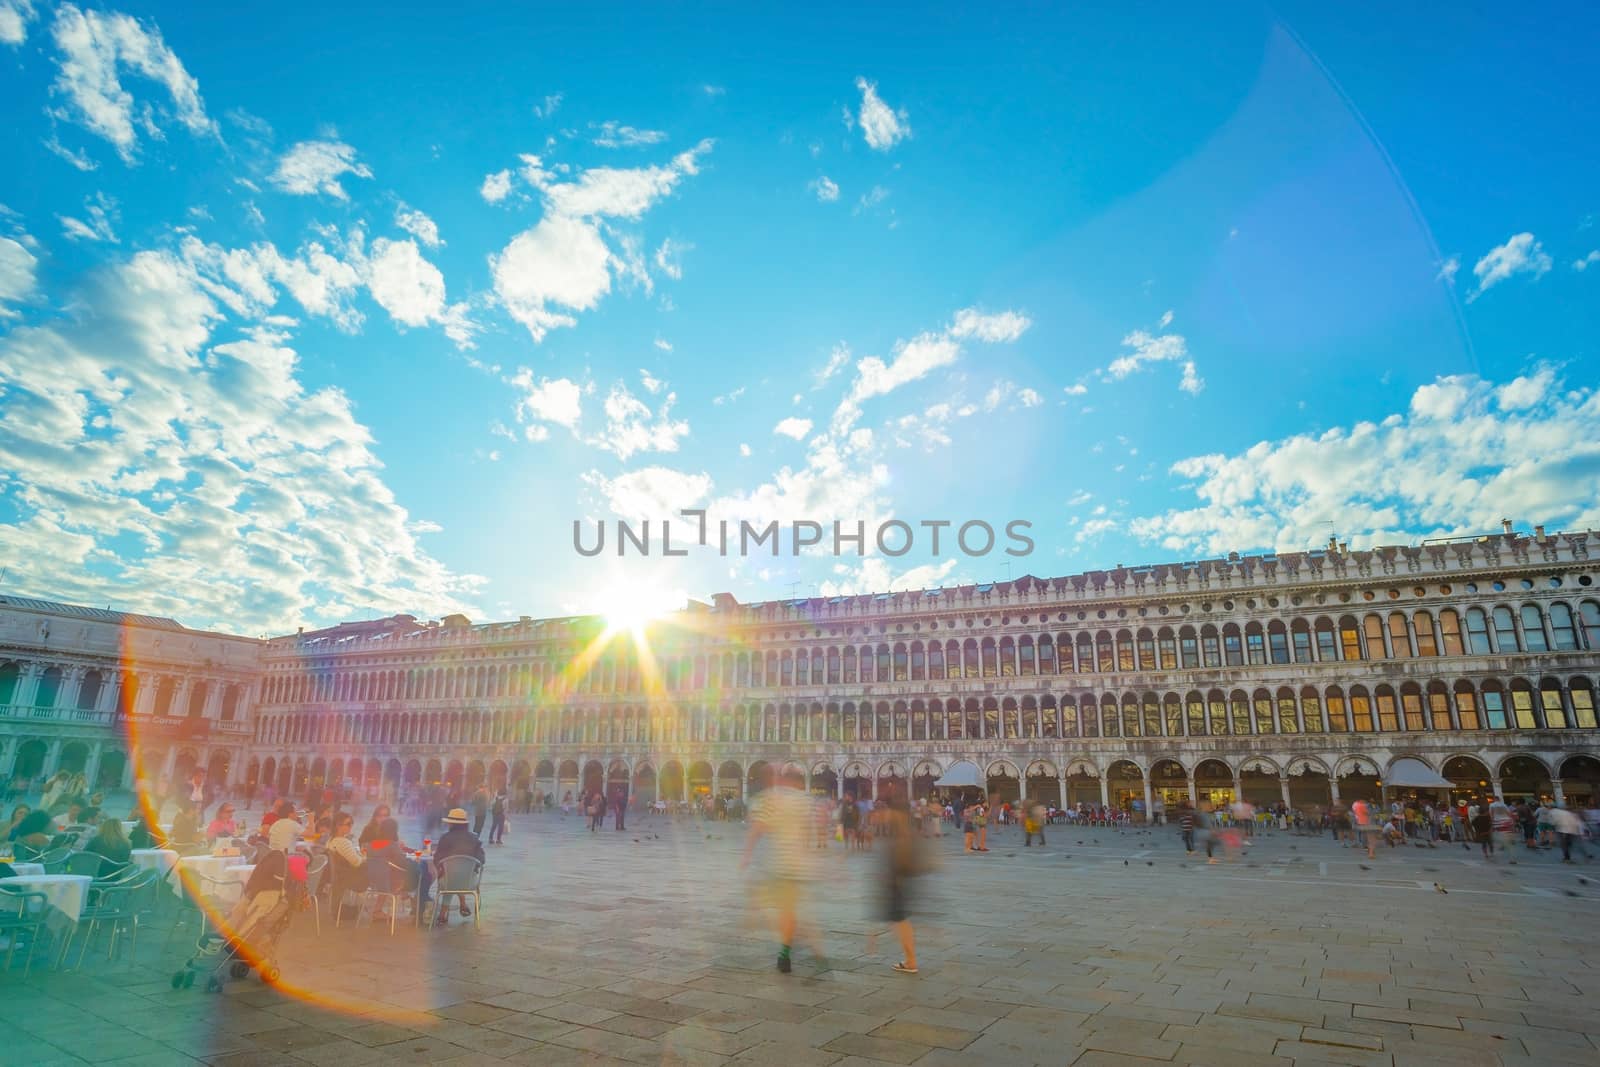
1101	948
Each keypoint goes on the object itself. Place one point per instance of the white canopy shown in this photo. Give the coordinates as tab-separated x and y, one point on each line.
961	773
1407	773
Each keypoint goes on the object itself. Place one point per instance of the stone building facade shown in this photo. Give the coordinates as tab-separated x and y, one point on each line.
1297	676
83	689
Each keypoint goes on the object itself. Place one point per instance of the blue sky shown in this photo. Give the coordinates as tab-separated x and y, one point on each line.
309	315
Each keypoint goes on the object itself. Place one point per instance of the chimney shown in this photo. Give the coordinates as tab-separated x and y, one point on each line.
1505	524
1333	544
1538	532
1345	547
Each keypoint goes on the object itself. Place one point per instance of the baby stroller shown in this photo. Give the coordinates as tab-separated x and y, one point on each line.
248	937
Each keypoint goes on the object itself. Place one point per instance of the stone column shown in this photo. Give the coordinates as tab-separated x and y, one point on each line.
27	685
1283	786
52	758
1333	789
1494	786
1238	788
1061	780
1105	792
838	785
1149	803
91	766
1194	794
1559	792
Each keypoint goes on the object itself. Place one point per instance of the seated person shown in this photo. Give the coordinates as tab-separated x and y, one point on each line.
143	835
285	838
457	841
186	832
370	831
34	832
223	825
349	862
390	870
110	841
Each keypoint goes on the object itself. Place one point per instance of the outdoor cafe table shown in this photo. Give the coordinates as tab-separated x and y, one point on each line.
154	859
65	893
26	868
212	867
233	881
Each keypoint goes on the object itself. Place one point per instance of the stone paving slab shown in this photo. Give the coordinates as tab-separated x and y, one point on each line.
639	948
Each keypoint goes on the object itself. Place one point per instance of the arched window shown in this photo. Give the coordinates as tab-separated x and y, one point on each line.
969	659
902	664
1373	625
89	690
1555	713
1505	631
1110	718
936	660
1147	651
1438	706
1427	644
1168	649
1411	707
1174	715
1263	706
1494	706
1300	636
1327	641
1069	717
1388	711
1360	710
1047	655
1311	710
1522	710
1211	652
1027	665
1232	646
1338	718
1240	705
1278	643
1563	632
1450	631
1105	655
919	662
1152	716
1589	618
1130	716
1255	644
1124	651
1534	638
1350	640
1191	651
883	663
1085	653
1288	712
1478	632
1217	709
1467	707
1196	706
1582	696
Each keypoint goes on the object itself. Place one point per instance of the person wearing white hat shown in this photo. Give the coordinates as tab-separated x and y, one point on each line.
457	840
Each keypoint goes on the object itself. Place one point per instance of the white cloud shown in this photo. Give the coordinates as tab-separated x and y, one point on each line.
744	450
1192	383
651	493
496	187
794	427
613	135
836	361
669	258
663	344
1146	348
881	125
713	90
870	199
913	359
93	50
77	159
877	574
651	383
1448	270
149	442
404	284
14	18
1587	261
728	397
548	106
826	188
1029	398
563	264
418	224
559	266
102	214
1166	320
18	271
631	427
557	400
1001	328
1076	390
312	167
1465	454
1521	254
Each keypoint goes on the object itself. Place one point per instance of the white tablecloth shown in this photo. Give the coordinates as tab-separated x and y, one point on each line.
65	892
154	859
234	879
213	867
27	868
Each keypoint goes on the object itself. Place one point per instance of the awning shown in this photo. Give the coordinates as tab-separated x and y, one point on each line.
1414	774
961	773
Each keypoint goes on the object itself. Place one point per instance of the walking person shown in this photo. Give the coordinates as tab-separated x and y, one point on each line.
1483	829
1186	825
1033	824
619	807
480	810
781	816
903	862
1366	825
497	818
1503	824
1569	828
597	810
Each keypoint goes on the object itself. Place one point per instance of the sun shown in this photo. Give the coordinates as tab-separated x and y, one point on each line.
628	607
